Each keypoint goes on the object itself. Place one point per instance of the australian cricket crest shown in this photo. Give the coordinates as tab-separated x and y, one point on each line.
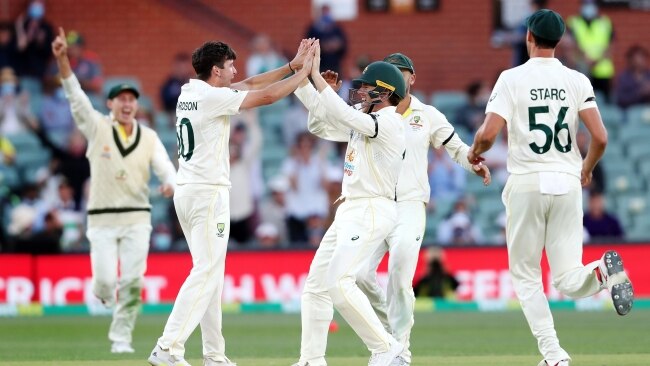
416	123
220	228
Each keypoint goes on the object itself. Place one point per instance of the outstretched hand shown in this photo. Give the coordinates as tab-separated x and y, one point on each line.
309	59
60	44
315	66
483	171
299	60
332	78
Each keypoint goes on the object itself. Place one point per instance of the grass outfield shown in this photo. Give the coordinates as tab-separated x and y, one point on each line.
444	338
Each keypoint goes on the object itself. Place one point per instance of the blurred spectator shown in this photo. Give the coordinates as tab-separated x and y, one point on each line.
295	120
306	197
333	42
598	175
33	38
71	161
447	179
633	84
267	235
25	240
518	36
70	217
14	105
497	158
55	114
85	64
437	282
245	146
171	89
600	224
263	56
7	152
594	35
8	48
472	114
273	209
458	228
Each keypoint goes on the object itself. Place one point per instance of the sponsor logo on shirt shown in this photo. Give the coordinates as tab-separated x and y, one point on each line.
348	169
106	153
351	155
492	97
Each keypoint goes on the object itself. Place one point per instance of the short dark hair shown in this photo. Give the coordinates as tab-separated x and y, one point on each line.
543	42
210	54
633	50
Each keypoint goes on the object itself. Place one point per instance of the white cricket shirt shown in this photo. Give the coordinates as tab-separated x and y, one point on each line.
373	158
540	101
203	131
424	125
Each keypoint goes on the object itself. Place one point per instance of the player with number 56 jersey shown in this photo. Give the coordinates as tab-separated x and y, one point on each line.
541	103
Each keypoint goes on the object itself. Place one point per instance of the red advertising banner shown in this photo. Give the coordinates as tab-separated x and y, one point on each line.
276	276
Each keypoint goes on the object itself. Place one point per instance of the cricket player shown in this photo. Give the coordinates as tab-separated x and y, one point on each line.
203	182
540	103
120	151
373	159
424	126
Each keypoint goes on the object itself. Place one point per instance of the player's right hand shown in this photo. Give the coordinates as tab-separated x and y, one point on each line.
585	178
60	45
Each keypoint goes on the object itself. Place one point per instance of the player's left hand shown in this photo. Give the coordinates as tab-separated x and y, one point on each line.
483	171
585	178
303	50
167	190
332	78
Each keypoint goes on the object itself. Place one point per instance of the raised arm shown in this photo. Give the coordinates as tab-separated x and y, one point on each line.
82	110
263	80
279	89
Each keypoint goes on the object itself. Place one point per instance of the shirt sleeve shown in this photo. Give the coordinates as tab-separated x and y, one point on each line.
587	96
162	165
224	101
443	135
83	113
501	101
318	122
348	118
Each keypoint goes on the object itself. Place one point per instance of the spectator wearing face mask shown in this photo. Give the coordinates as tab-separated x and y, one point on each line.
594	35
15	111
33	35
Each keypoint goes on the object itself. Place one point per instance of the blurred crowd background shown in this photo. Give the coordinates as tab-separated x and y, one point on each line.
285	181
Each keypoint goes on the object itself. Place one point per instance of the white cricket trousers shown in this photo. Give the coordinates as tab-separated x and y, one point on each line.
204	214
537	222
127	247
395	308
359	227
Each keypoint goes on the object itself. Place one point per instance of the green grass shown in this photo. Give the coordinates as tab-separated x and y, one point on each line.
444	338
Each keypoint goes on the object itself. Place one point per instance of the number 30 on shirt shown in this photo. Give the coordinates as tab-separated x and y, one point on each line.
185	139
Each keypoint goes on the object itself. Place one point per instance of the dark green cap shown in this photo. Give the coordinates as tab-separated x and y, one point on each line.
546	24
401	61
122	87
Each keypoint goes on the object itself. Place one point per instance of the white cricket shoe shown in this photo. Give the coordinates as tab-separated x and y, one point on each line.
400	361
210	362
614	278
121	347
161	357
559	363
386	358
